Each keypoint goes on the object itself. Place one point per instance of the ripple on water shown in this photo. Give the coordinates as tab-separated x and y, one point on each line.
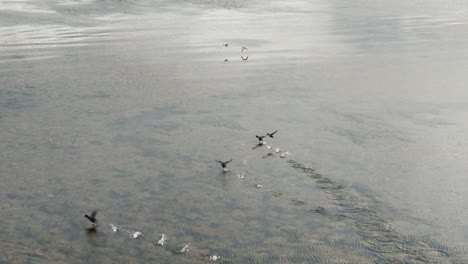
377	234
39	41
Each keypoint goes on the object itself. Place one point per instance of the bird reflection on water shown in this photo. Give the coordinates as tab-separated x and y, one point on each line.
91	231
92	237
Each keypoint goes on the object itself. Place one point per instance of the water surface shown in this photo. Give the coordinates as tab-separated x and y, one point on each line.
124	106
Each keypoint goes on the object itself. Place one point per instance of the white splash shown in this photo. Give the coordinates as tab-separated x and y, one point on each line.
215	257
284	154
241	175
268	147
277	150
135	234
162	241
114	228
185	248
259	186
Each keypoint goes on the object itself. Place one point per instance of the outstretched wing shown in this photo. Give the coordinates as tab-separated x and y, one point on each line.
94	213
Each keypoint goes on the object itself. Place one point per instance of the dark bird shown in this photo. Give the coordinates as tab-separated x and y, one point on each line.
244	48
260	138
226	60
246	58
272	133
227	44
223	163
92	217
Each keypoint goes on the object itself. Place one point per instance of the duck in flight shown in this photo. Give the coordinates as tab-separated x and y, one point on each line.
92	218
223	164
272	133
260	139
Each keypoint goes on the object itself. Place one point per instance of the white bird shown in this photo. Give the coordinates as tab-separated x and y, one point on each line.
241	175
215	257
277	150
259	186
284	154
268	147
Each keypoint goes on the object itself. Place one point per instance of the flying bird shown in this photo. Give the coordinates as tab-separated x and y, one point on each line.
272	133
260	140
227	44
244	48
92	217
224	163
244	59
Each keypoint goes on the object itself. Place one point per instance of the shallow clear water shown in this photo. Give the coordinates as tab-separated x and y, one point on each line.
123	106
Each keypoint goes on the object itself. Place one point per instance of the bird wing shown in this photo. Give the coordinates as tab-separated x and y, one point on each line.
272	133
228	161
94	213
